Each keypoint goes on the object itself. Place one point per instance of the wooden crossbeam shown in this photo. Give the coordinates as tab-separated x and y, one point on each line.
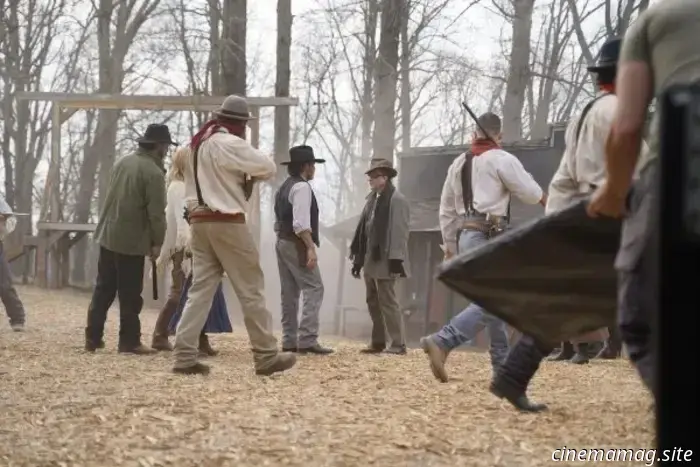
146	102
65	227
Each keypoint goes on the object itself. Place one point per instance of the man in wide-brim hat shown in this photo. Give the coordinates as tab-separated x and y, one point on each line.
297	229
131	226
217	193
380	248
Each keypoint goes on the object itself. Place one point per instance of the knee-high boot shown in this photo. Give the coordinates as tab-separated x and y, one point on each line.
514	376
160	332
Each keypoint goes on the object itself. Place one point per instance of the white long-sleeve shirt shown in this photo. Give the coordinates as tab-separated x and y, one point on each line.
223	161
582	167
177	231
300	196
496	175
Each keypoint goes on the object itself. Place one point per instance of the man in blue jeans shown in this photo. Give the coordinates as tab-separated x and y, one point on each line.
473	207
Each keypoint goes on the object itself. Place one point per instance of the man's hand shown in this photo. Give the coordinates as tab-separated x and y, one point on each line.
606	202
355	271
396	269
311	258
155	252
543	200
448	254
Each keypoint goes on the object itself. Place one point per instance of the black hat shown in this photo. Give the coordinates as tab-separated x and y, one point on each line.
157	133
302	154
608	55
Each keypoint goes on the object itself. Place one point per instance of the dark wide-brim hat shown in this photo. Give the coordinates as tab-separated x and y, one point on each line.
383	165
157	133
234	108
608	56
301	155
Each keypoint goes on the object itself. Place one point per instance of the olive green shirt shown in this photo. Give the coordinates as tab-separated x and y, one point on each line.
132	219
667	37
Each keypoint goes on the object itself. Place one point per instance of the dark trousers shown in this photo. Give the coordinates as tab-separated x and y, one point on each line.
637	264
121	275
8	293
521	364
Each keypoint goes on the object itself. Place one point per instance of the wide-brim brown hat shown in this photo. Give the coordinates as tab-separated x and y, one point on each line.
157	133
301	155
382	165
234	108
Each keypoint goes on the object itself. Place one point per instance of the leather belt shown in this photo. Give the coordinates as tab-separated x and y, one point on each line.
206	215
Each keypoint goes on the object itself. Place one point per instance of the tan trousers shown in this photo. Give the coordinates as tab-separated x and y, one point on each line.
219	247
385	313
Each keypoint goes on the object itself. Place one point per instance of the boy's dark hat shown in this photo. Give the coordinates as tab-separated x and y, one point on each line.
608	56
302	154
157	133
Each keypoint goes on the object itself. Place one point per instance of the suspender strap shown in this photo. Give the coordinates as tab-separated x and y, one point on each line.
467	190
584	114
467	193
200	200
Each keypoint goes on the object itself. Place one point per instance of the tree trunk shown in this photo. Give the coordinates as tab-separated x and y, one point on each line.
386	79
405	98
233	47
284	41
369	56
215	47
519	70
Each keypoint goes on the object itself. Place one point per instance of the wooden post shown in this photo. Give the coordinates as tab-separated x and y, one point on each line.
340	288
255	217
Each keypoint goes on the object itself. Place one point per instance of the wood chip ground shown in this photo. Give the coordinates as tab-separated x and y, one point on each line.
62	407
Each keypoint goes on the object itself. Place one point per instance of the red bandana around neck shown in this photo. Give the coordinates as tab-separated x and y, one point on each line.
609	88
209	128
481	145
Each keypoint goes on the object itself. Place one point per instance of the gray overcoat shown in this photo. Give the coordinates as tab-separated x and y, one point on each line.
396	242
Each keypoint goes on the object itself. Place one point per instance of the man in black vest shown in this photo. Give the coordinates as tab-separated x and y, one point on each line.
296	225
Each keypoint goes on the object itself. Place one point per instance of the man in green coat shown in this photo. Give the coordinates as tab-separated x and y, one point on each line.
131	227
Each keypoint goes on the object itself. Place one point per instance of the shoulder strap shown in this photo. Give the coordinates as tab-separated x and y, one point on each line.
466	178
200	200
587	109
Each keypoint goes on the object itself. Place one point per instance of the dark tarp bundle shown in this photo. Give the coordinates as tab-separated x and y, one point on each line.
552	278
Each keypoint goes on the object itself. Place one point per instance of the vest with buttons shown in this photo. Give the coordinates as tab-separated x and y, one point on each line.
284	216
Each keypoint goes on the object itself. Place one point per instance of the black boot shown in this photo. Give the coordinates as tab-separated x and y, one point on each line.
565	353
515	374
581	355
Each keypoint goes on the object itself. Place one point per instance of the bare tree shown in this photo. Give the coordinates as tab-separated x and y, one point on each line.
519	68
233	47
386	78
29	33
284	41
118	23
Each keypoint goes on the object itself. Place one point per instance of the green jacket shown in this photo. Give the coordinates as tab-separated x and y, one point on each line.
132	219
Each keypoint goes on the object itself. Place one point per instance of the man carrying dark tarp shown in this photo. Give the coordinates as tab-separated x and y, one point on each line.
660	49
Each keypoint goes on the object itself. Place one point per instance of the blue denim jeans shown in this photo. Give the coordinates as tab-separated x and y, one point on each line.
467	324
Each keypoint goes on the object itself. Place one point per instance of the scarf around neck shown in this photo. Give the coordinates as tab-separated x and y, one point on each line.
481	145
208	129
372	238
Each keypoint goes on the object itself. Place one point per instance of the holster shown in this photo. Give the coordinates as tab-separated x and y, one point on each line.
491	226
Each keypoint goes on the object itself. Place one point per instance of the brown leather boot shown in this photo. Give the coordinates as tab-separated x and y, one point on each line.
160	332
204	346
436	356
